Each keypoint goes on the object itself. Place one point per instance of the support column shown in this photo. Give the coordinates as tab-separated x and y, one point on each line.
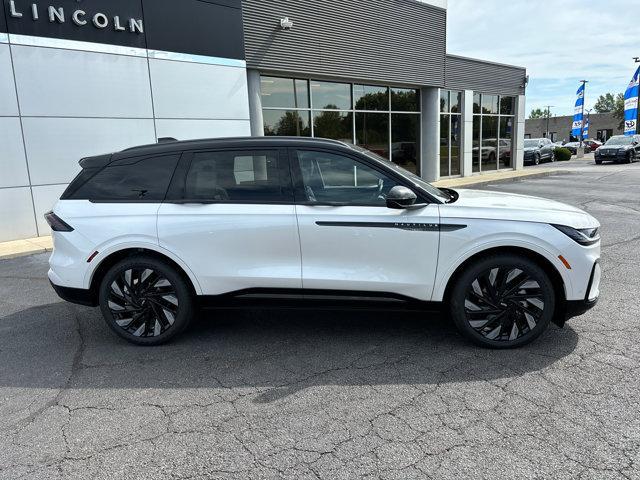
430	145
467	133
519	132
255	103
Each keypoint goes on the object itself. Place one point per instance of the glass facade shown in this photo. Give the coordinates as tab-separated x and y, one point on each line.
383	119
493	123
450	133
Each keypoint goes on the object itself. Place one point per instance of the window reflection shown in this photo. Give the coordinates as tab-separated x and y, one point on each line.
372	132
334	125
506	142
445	136
444	101
455	142
489	104
405	100
286	123
456	102
477	123
284	92
331	95
489	143
405	141
476	103
369	97
506	105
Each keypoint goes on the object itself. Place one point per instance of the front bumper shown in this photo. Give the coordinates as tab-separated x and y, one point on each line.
614	157
575	308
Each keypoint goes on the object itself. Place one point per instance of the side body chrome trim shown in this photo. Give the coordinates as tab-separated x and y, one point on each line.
412	226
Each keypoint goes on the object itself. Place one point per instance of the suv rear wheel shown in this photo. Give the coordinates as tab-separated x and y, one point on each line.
502	301
145	301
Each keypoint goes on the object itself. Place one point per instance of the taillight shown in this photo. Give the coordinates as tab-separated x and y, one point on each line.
56	223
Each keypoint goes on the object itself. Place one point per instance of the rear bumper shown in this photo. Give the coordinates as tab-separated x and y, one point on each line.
75	295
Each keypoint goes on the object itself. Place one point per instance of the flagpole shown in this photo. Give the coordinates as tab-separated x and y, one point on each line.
584	96
637	60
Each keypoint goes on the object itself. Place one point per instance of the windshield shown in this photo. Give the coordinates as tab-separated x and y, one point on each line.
530	143
416	180
620	140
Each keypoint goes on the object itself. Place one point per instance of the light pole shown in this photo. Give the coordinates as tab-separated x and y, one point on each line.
548	112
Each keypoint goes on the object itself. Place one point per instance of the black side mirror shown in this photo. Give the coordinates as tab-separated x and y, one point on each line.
400	197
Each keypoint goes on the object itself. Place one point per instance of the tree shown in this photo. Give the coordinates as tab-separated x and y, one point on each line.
618	109
606	103
539	113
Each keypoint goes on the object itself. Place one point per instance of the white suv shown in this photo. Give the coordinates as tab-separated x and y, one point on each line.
152	233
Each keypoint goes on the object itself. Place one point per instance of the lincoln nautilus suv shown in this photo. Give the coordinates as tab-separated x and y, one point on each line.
153	234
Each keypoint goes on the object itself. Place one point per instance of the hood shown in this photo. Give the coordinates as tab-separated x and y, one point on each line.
530	149
508	206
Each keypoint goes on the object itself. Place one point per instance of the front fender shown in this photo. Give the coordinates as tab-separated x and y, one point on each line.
455	251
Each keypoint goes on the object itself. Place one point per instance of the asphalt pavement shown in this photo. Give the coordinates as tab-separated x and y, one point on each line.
316	394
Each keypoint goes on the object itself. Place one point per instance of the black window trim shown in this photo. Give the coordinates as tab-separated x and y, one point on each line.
298	185
177	188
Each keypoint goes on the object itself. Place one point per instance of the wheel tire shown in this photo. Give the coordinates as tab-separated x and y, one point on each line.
156	296
553	156
510	317
631	157
598	162
536	159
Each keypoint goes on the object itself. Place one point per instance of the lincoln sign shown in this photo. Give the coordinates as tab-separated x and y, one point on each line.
78	16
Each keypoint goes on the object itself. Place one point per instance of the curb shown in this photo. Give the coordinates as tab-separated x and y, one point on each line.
24	248
482	182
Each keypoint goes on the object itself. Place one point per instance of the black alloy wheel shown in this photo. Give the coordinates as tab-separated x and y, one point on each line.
145	301
503	302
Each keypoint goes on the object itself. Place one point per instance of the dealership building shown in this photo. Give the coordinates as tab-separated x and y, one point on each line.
84	77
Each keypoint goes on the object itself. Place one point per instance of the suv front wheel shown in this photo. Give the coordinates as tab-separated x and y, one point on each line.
502	301
145	301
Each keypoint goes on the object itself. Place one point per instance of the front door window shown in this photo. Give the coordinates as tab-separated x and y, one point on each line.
329	178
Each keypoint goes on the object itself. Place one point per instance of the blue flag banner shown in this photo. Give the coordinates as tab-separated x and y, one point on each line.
585	133
578	114
631	106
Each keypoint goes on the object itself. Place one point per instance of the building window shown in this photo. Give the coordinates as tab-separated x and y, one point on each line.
450	132
383	119
493	123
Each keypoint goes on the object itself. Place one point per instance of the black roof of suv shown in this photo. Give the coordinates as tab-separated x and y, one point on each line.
186	145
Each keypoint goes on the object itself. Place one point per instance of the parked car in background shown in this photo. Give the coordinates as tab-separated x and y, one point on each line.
591	145
572	147
537	150
152	232
619	149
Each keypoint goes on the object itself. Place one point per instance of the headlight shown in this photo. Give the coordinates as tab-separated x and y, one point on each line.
585	236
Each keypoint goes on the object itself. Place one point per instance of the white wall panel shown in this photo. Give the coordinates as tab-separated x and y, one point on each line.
193	129
13	166
44	198
16	214
55	145
8	104
196	90
67	83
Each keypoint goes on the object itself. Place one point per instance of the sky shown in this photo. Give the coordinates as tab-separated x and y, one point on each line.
544	37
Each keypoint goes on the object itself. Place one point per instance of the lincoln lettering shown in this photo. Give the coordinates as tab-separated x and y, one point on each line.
79	17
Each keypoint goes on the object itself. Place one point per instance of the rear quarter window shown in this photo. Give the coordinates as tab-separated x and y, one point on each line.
131	179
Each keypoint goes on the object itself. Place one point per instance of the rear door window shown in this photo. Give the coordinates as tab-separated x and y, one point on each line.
238	177
132	179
